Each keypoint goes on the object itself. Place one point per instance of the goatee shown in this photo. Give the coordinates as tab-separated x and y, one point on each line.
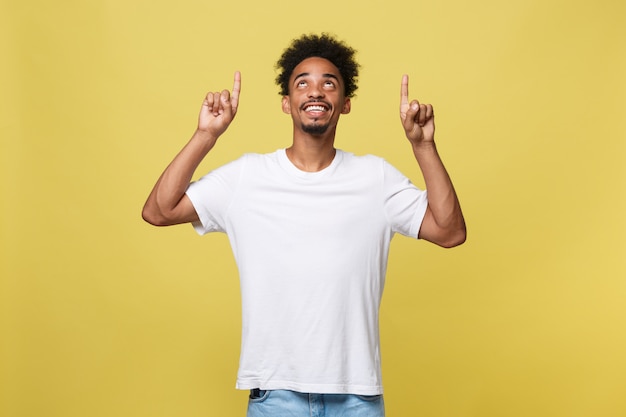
315	129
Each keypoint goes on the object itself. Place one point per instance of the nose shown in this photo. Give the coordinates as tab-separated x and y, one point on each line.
316	91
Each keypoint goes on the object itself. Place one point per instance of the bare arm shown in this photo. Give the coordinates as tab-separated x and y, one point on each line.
167	204
443	223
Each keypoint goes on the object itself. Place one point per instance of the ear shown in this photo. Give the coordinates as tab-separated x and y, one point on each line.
286	105
347	106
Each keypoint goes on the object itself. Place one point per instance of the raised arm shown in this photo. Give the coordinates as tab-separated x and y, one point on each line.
443	223
167	204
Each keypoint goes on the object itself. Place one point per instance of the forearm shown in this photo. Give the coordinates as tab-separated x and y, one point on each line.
163	204
443	204
167	204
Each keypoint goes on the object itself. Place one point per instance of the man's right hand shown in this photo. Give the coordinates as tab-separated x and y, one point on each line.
219	109
168	204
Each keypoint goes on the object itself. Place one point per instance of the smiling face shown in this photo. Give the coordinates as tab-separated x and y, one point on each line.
316	96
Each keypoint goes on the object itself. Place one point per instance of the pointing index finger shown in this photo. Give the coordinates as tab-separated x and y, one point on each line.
236	90
404	91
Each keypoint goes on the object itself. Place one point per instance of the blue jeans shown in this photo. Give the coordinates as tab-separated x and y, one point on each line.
282	403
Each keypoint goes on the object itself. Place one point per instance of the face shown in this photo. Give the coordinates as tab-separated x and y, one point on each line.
316	96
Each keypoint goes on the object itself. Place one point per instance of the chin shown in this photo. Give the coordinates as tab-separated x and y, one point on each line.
315	129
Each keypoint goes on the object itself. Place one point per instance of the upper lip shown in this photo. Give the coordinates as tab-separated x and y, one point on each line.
319	103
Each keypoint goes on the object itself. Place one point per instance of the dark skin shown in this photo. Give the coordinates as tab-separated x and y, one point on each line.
315	102
167	204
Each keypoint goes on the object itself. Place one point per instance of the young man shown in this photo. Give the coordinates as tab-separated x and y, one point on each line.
310	228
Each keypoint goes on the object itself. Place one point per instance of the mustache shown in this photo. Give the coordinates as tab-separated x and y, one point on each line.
316	101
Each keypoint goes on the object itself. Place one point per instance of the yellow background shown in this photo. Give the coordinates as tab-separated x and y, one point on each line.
104	315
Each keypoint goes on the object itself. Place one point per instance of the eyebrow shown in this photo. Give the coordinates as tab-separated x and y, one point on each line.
327	75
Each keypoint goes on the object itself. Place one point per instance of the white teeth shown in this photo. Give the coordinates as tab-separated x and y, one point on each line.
315	108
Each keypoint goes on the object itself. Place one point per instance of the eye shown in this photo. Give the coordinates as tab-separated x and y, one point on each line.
301	83
329	84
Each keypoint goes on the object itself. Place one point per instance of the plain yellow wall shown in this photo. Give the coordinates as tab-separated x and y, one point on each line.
104	315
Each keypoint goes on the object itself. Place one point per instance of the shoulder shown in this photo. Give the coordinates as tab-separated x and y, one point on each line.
363	161
375	167
260	158
370	165
251	160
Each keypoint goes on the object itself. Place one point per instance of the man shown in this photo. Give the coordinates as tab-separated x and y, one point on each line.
310	228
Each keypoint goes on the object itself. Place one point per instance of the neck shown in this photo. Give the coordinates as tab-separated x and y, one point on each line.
311	154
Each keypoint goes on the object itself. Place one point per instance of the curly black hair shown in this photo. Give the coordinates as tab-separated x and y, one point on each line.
321	46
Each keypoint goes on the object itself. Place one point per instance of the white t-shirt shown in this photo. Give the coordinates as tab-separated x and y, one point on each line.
311	248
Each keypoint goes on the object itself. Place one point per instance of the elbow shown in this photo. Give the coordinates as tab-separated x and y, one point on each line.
449	237
456	234
152	217
157	216
453	242
454	239
446	231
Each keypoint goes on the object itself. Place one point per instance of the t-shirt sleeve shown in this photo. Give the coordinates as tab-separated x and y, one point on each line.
405	204
213	194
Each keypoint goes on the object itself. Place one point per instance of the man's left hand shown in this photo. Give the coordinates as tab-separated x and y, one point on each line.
418	119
